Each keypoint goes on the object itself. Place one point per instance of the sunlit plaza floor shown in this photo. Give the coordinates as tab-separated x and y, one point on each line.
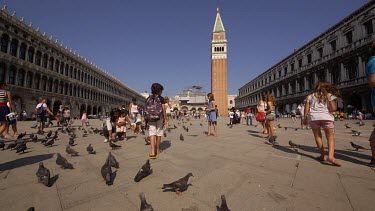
239	163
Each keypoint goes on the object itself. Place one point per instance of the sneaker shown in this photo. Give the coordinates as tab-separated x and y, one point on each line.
106	140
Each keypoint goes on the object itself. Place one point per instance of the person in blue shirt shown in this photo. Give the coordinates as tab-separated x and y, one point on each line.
370	73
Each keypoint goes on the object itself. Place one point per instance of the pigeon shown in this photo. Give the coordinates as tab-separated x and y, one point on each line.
113	146
181	137
191	124
49	134
31	209
112	161
165	134
200	124
293	145
35	138
272	140
147	140
285	128
187	129
169	130
43	175
356	134
71	142
21	147
279	126
84	135
144	205
21	135
50	142
2	144
174	126
223	206
143	172
106	172
361	124
12	145
63	163
296	129
356	147
178	186
43	141
347	126
90	150
71	151
31	136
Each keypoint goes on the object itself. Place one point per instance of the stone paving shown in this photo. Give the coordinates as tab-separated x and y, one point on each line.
239	163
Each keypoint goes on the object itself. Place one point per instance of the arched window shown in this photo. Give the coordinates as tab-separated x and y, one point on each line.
71	72
50	84
56	86
38	58
31	55
37	81
61	87
23	51
44	83
62	68
66	70
21	77
12	75
13	47
2	71
231	102
66	89
45	59
4	43
29	80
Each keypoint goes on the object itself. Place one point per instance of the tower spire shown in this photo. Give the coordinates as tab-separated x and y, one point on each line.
219	26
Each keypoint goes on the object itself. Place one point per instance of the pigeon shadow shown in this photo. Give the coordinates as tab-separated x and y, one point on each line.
130	137
292	151
257	136
113	177
24	161
193	135
53	180
165	145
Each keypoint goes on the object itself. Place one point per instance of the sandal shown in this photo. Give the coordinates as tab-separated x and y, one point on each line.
152	156
160	151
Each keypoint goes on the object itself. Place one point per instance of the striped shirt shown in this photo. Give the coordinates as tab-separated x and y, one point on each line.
3	96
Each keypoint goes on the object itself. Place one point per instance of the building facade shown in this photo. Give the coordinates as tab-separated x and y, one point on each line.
219	78
190	101
338	55
231	101
36	67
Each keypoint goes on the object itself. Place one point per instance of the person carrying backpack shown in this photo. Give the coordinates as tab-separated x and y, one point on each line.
154	116
40	111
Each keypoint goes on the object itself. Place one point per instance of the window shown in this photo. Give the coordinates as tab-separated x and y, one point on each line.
269	78
21	77
320	52
13	47
4	43
29	80
23	51
285	70
279	73
368	27
12	75
299	63
349	37
352	70
44	61
308	58
333	45
2	71
38	58
31	55
274	76
292	67
231	102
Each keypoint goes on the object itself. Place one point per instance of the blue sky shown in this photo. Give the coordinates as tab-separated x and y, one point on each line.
168	41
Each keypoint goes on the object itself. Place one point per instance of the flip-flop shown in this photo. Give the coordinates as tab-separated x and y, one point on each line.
152	156
160	151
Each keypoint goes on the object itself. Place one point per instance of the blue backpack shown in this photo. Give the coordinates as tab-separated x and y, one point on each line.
41	111
153	109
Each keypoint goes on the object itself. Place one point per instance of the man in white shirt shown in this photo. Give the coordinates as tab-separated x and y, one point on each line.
40	111
301	110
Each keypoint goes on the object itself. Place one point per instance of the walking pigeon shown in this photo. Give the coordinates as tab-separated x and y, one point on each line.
71	142
12	145
113	146
356	134
43	175
71	151
63	163
181	137
21	135
347	126
147	140
21	147
106	172
90	149
356	147
49	134
2	144
178	186
144	205
292	145
112	161
50	142
143	172
223	206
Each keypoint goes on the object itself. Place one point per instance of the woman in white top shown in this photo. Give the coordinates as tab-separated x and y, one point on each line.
318	111
133	109
261	107
167	111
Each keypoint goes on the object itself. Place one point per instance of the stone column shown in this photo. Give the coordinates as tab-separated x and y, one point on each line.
306	83
328	75
18	54
361	69
40	82
27	53
6	76
9	43
342	73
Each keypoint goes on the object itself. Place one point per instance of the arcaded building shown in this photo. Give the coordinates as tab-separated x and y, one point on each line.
338	55
35	66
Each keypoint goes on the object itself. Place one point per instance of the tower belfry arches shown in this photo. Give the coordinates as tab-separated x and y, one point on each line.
219	78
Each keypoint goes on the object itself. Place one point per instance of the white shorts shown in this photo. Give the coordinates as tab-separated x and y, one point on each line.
156	128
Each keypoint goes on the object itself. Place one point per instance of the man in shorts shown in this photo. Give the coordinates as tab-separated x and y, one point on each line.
41	118
370	73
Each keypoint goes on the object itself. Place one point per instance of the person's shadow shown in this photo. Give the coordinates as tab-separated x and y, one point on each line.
24	161
165	144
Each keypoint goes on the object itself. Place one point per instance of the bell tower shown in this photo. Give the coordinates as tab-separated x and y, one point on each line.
219	78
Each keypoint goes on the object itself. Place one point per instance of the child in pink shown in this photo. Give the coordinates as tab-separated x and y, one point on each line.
318	111
121	124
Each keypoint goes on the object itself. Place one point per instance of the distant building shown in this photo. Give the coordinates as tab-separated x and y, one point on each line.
190	100
145	94
338	55
231	101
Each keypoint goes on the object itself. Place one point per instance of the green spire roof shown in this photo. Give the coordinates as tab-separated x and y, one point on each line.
219	27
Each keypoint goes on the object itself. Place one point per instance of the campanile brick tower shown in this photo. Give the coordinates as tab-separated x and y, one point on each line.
219	78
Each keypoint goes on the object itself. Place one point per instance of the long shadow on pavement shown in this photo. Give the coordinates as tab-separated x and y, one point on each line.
165	145
24	161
